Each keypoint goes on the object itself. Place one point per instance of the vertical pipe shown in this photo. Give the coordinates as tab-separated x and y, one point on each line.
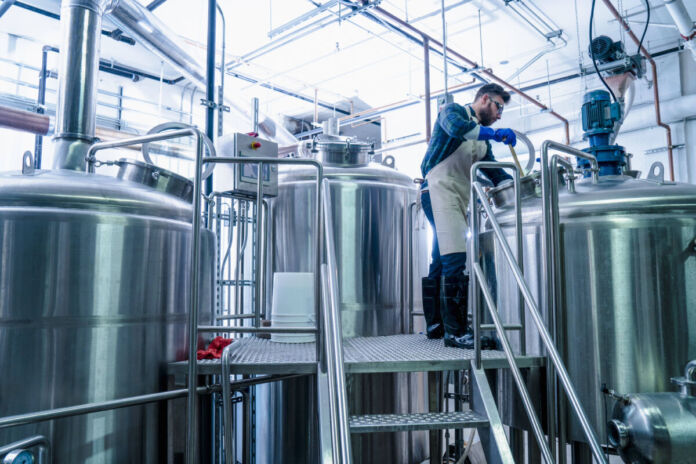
76	111
119	113
258	245
255	115
444	48
41	101
192	399
210	83
426	75
221	88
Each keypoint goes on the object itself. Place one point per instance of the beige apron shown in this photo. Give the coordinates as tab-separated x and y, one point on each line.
449	183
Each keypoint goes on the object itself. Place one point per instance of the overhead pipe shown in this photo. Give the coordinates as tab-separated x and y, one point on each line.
6	4
483	72
656	92
135	18
683	21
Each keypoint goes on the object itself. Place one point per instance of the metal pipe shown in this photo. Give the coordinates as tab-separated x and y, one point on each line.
210	83
682	19
39	441
426	67
444	46
516	374
41	101
6	5
69	411
26	121
333	331
475	168
259	239
483	72
543	332
656	91
221	96
76	110
253	330
409	278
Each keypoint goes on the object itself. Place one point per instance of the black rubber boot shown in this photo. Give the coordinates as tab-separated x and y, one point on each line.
431	308
453	305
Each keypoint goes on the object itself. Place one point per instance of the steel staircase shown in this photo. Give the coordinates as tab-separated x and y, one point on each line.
332	357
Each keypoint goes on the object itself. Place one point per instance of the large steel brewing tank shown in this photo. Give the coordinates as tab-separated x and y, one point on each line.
94	291
628	286
370	205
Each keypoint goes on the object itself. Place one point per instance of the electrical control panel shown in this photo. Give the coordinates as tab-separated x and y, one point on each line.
242	178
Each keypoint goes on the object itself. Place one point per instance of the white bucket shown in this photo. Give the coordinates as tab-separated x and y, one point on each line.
292	305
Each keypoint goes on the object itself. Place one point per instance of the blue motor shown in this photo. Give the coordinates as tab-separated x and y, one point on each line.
599	115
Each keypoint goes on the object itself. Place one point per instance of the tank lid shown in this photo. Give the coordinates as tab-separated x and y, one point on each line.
337	150
155	177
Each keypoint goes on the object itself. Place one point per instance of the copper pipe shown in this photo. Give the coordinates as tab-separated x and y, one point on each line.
475	65
656	92
39	124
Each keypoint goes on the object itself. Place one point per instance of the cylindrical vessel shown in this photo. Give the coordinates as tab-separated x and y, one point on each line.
627	307
370	205
658	428
95	277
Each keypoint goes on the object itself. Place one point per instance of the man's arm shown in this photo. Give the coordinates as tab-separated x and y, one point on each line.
495	175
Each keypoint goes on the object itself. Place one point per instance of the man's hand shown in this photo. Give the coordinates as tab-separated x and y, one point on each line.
505	135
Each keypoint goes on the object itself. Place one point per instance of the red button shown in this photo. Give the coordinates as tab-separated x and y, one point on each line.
255	145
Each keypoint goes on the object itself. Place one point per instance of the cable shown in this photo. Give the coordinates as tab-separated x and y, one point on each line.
594	61
647	23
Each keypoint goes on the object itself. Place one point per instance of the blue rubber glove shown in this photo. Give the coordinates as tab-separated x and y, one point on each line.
505	135
486	133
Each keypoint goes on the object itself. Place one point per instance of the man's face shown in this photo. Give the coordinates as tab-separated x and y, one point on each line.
491	109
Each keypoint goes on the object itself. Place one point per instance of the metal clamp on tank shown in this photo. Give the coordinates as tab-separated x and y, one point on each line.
657	427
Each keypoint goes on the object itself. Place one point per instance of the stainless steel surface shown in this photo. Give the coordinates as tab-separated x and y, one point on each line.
152	176
657	428
371	423
517	375
627	261
37	441
393	353
369	204
95	275
76	111
333	332
552	353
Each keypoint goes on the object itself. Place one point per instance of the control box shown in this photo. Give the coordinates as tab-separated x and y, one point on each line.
242	178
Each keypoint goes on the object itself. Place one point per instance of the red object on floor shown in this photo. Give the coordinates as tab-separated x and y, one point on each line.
214	350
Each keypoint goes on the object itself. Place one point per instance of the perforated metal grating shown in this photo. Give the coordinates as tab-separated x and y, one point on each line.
394	353
415	421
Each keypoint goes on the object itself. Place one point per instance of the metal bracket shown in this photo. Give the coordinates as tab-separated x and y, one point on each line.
208	103
223	108
656	173
27	163
652	151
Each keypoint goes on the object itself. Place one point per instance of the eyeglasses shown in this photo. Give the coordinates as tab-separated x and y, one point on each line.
499	106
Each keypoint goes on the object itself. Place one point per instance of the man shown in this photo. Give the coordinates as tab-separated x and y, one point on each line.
460	138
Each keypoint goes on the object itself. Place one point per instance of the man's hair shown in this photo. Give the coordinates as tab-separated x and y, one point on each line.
492	89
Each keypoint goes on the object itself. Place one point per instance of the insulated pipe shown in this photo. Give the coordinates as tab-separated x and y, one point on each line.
483	72
139	22
656	92
39	124
76	111
684	24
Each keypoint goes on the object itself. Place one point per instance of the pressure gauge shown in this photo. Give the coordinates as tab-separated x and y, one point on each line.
18	456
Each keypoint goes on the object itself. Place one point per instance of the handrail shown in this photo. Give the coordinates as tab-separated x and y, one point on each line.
516	374
538	321
473	254
333	337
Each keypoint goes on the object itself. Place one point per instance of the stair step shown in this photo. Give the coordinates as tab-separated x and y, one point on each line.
416	421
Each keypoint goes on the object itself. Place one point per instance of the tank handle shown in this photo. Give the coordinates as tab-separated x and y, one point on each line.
27	163
145	148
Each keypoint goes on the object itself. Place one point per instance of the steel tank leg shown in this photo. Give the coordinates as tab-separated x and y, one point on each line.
533	453
434	405
517	444
582	454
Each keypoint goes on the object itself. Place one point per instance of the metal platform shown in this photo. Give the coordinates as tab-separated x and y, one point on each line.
416	421
393	353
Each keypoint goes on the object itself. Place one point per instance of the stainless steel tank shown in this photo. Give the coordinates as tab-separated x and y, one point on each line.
95	277
370	209
628	286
